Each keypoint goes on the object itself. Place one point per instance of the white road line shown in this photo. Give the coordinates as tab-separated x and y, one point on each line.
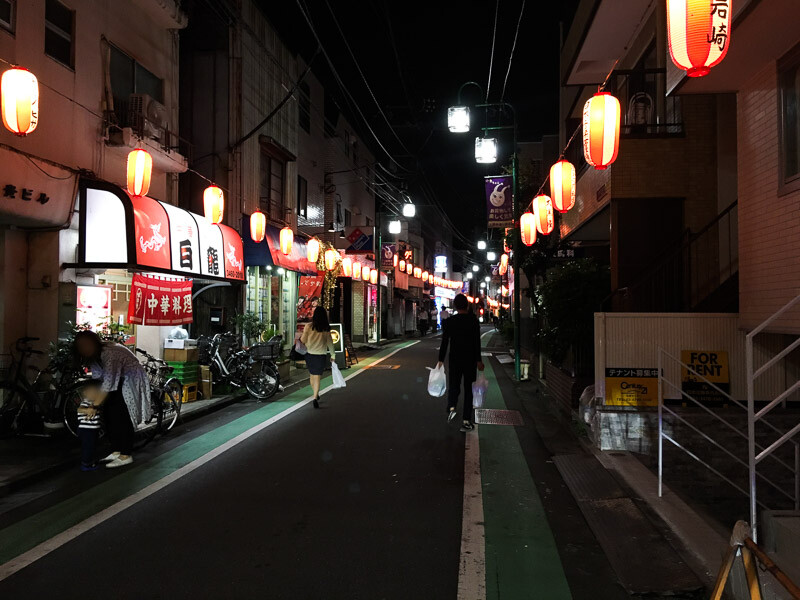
472	570
23	560
487	332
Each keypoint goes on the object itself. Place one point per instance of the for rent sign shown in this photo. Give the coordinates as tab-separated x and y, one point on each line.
702	368
631	387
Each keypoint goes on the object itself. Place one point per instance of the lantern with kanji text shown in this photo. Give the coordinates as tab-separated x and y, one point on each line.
214	204
312	250
543	214
287	239
425	276
331	259
698	32
527	228
417	272
258	226
19	100
503	268
140	169
562	185
402	266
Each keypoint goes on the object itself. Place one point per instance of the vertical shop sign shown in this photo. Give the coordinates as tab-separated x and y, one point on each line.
160	302
499	204
388	251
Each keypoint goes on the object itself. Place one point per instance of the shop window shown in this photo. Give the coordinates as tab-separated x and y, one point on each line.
59	32
129	77
302	197
304	107
7	10
789	90
271	186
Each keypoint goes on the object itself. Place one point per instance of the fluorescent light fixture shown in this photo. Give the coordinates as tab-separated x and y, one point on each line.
486	150
481	245
490	256
394	227
409	210
458	119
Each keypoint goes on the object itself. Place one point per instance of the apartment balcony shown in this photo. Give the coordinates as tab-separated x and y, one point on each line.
132	125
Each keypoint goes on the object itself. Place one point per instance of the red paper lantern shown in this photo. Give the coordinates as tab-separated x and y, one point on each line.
409	268
699	33
331	260
140	168
19	100
365	271
562	185
425	276
417	272
287	239
394	260
356	270
601	115
258	226
373	276
347	266
527	228
214	204
402	266
312	250
503	264
543	214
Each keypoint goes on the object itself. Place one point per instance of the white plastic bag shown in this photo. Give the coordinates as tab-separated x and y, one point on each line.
437	382
479	387
300	348
338	380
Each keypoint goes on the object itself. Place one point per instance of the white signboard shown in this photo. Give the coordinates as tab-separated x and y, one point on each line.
440	264
444	293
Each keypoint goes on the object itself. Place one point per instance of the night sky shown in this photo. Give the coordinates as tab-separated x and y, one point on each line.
415	55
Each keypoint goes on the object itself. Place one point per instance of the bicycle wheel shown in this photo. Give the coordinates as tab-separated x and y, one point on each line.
262	380
170	405
12	399
71	399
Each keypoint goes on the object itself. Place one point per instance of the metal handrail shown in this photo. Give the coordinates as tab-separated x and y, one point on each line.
754	417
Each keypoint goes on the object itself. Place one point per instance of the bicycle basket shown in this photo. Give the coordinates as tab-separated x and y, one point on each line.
266	351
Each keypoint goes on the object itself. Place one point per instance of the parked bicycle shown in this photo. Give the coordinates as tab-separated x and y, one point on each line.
252	368
166	393
45	403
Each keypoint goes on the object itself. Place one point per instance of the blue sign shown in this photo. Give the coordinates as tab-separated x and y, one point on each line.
440	264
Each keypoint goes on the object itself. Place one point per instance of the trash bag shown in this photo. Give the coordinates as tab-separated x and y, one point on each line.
338	380
437	382
479	387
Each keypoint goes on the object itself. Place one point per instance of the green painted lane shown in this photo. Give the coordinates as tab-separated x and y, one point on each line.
32	531
522	559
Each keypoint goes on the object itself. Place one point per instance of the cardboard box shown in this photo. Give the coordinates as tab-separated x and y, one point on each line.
181	354
206	388
171	343
205	372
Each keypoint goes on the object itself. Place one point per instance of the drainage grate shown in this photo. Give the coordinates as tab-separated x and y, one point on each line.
491	416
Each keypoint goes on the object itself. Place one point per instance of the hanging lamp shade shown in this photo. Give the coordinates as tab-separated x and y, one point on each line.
527	228
402	266
503	268
698	32
312	250
214	204
562	185
347	266
140	169
356	270
258	226
19	97
331	259
425	276
373	277
543	214
287	239
417	272
601	115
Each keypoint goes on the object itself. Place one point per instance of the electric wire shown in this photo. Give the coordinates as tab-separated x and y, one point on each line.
513	47
491	57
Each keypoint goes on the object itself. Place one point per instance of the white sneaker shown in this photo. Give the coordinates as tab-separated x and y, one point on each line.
119	462
451	417
110	457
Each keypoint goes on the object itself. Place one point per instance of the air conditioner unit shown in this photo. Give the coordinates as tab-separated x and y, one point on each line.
153	115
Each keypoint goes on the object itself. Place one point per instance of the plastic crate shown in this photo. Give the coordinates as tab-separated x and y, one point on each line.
189	392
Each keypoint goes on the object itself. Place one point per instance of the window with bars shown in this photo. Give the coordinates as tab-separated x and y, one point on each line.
59	33
7	11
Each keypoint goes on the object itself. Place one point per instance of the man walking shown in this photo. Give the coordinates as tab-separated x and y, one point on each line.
462	333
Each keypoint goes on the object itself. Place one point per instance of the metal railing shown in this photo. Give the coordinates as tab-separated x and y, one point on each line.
126	115
747	436
757	454
647	111
683	277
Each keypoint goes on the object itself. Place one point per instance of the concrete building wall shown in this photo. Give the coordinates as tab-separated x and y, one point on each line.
769	222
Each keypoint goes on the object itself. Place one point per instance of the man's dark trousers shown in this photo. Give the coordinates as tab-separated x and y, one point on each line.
468	374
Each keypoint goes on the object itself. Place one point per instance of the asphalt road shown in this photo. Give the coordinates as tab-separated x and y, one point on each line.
360	499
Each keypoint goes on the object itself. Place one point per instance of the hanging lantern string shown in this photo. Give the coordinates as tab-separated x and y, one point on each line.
600	88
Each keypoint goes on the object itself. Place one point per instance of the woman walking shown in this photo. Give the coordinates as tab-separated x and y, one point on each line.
123	394
317	339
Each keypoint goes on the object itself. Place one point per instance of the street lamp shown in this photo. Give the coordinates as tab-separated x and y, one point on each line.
485	150
483	284
458	119
481	245
409	210
491	256
487	279
395	227
475	268
469	275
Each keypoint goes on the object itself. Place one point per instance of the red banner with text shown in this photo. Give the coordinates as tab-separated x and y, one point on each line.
160	301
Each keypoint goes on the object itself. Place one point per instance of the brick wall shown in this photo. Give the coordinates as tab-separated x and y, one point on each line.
769	228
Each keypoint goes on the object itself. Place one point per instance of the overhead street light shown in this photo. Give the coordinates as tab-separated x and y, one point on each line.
395	227
458	119
409	210
483	284
481	245
485	150
469	275
475	268
487	279
490	256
